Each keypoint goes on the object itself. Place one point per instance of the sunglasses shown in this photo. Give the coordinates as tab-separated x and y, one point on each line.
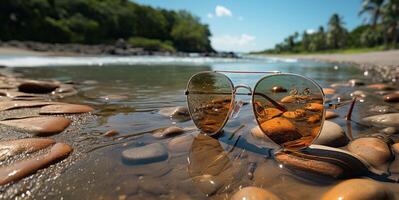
289	108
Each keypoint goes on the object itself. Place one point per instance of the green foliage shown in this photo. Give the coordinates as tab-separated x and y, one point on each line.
381	33
152	44
101	21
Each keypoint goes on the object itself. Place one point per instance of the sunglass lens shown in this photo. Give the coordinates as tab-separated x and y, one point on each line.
209	100
289	109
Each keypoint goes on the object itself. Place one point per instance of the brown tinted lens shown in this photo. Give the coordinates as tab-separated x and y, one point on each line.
209	100
297	122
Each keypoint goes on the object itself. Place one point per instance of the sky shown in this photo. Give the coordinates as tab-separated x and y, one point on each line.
254	25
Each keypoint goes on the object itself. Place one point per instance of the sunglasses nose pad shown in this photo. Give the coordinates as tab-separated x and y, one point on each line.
236	109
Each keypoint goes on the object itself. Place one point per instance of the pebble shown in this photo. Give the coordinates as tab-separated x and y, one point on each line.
389	130
181	144
270	113
280	130
355	82
65	109
358	189
395	148
39	125
393	97
23	168
168	132
39	87
332	135
111	133
329	91
288	99
298	113
8	105
150	153
317	107
254	193
313	119
387	120
208	184
178	113
13	147
375	151
331	114
278	89
380	86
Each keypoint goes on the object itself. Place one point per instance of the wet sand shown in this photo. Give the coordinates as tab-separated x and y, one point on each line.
12	51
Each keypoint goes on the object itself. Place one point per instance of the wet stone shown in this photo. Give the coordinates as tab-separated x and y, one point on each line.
254	193
389	130
288	99
331	114
23	168
373	150
8	105
278	89
298	113
39	125
387	120
39	87
380	86
111	133
317	107
358	189
207	184
355	82
393	97
178	113
332	135
65	109
168	132
395	148
380	109
329	91
150	153
280	130
181	144
13	147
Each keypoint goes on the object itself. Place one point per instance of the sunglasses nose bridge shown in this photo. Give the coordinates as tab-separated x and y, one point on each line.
242	86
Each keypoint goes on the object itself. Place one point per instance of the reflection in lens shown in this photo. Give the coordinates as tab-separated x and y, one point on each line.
300	124
209	100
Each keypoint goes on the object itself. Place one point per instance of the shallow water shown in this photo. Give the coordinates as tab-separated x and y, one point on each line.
137	90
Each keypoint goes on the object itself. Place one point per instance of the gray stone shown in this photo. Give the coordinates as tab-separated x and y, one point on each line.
391	119
332	135
145	154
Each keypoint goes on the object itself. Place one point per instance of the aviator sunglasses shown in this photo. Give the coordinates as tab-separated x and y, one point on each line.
289	108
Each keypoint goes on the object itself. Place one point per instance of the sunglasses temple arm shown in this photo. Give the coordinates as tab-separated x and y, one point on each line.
338	105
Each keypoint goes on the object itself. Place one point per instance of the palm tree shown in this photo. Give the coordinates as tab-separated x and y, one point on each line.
373	8
390	21
336	35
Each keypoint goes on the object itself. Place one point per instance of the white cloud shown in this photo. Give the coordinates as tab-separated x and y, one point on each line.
310	31
243	42
209	15
222	11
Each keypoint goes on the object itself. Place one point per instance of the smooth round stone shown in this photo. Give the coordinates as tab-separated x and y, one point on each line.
13	147
254	193
145	154
65	109
278	89
208	184
111	133
40	87
389	130
179	113
355	82
393	97
387	120
181	144
331	114
280	130
23	168
168	132
288	99
8	105
375	151
39	125
329	91
379	86
380	109
332	135
395	148
317	107
298	113
358	189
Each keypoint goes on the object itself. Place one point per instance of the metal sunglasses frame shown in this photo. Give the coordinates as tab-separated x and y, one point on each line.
252	94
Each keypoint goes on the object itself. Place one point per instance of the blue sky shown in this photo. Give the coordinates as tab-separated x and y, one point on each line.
252	25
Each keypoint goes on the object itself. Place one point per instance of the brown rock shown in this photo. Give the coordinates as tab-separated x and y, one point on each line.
373	150
298	113
278	89
379	86
317	107
329	91
254	193
39	125
313	119
288	99
23	168
13	147
65	109
280	130
358	189
167	132
269	113
111	133
395	148
331	114
40	87
8	105
393	97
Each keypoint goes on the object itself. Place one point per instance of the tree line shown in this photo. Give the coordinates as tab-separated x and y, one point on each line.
381	30
102	22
